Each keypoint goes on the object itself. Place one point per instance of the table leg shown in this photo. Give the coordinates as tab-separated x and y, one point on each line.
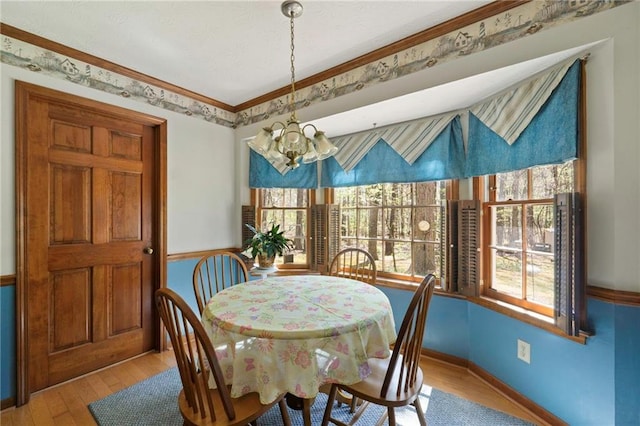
301	404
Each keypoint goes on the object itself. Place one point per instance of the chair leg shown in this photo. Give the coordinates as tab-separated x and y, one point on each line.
420	412
392	416
354	404
383	418
330	400
306	411
286	420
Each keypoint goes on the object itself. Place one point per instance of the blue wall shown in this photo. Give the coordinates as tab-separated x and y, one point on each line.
573	381
593	384
447	324
7	342
627	369
179	279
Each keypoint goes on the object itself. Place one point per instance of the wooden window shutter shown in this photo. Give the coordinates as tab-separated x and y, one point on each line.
570	301
248	217
468	280
450	281
325	235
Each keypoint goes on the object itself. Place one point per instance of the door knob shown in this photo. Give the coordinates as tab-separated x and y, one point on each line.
148	250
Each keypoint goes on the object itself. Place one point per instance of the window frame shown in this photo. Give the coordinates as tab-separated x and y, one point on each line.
486	288
257	202
485	190
452	191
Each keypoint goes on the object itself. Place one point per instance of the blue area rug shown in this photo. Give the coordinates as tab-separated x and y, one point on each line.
153	402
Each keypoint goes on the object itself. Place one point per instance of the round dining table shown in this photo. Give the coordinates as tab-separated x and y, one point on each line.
295	333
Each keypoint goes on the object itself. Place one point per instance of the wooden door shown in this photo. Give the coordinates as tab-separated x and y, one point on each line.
88	175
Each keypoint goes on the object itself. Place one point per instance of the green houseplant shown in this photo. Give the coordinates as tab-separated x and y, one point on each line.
265	246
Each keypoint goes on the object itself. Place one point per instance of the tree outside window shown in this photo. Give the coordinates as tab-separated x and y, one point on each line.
400	224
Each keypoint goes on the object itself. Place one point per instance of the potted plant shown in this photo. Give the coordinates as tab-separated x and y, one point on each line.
265	246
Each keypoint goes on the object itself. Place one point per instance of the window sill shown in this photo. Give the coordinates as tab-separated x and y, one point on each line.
411	286
525	316
287	271
515	312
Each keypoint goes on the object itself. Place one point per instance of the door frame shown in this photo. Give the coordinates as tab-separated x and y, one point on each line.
23	92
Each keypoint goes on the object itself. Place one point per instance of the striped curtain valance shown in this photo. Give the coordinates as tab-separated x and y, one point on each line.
551	137
509	113
532	123
409	139
442	159
263	174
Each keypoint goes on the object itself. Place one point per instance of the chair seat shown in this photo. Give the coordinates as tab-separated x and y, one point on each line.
371	387
244	406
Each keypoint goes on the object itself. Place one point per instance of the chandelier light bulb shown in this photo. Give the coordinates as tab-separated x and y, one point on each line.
292	144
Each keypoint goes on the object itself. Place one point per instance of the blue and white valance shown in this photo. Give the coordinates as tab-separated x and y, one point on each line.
262	174
409	139
509	113
442	159
550	137
533	123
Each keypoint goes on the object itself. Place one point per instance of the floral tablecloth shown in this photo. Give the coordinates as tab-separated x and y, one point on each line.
295	333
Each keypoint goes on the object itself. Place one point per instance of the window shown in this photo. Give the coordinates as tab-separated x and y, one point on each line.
400	224
290	209
519	225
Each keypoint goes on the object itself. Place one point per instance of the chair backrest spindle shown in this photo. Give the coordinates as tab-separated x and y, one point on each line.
216	271
354	263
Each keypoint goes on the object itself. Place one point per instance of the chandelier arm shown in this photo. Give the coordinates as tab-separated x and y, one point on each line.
275	125
315	129
277	141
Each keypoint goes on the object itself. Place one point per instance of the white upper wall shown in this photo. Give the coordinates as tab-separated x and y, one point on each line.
613	126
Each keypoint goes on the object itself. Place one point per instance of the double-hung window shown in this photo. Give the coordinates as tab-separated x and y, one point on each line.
400	224
518	219
289	208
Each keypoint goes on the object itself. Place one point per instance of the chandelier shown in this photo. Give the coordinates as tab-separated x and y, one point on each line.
292	142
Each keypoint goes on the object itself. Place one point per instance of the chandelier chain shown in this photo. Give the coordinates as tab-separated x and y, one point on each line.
292	144
293	69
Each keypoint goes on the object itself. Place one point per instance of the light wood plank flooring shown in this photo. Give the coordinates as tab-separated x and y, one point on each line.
66	404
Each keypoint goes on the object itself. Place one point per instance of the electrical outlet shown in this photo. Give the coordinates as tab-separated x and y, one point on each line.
524	351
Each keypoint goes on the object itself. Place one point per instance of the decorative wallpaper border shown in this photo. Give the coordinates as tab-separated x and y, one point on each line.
521	21
515	23
37	59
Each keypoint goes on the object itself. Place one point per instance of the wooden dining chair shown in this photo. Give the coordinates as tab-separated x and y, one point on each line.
215	272
354	263
196	360
395	381
357	264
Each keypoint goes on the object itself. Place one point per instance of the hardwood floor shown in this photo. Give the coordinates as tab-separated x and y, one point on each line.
66	404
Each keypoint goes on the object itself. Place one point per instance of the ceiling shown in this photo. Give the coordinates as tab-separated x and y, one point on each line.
230	51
